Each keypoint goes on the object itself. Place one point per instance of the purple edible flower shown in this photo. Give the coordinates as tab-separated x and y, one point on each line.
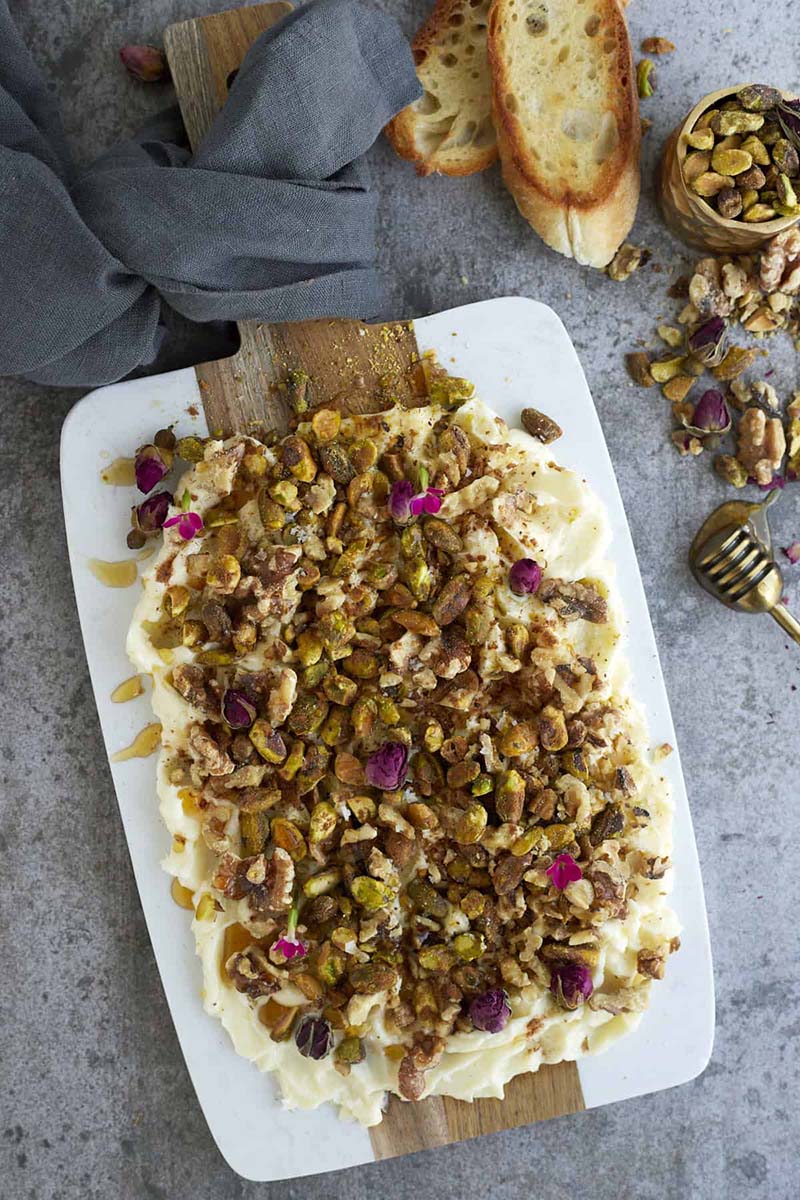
189	523
490	1011
711	413
150	515
144	62
564	871
400	498
429	501
290	945
237	710
313	1037
792	552
571	983
525	576
150	466
405	503
386	768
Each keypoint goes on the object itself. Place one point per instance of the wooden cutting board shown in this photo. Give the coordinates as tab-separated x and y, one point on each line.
349	364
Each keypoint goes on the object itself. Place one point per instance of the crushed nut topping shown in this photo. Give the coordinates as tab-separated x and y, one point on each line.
387	747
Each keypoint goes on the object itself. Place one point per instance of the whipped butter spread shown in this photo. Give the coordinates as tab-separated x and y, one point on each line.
408	788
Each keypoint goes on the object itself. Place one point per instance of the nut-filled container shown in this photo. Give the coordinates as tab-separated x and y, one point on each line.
695	218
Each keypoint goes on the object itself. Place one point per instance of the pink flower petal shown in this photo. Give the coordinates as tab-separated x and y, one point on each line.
793	552
564	871
290	947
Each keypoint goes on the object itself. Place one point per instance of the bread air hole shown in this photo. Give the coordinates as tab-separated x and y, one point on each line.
563	54
428	103
465	135
449	60
456	19
486	134
510	102
592	25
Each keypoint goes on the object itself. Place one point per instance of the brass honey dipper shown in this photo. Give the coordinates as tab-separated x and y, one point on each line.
731	557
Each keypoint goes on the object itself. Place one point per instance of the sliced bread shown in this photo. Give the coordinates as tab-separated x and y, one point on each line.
449	129
566	113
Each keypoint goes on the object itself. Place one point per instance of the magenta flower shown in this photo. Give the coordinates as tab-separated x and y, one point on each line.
571	983
237	710
564	871
150	466
188	524
144	62
524	577
387	767
490	1011
429	501
405	503
792	552
290	947
150	515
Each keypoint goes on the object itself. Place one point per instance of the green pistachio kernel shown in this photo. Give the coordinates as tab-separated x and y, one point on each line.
307	715
331	962
482	785
437	958
350	1051
371	893
469	946
269	743
323	822
322	883
470	824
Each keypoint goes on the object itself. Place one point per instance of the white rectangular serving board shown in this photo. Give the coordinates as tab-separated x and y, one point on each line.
517	353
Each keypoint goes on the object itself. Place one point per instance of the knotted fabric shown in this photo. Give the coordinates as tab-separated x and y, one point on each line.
271	219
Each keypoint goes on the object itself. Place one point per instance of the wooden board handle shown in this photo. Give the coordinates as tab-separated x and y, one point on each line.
348	362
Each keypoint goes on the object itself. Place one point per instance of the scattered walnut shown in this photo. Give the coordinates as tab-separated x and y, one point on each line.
627	260
761	444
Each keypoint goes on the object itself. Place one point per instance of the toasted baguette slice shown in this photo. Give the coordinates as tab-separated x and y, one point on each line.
566	112
449	129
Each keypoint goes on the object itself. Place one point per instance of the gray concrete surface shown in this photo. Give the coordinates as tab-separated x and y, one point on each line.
95	1100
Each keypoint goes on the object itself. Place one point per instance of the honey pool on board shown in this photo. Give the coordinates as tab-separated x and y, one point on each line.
129	689
114	574
146	742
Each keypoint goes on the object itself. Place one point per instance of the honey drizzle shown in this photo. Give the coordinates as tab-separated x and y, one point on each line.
114	574
119	473
129	689
183	896
143	745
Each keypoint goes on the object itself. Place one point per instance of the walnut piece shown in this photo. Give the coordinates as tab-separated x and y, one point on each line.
761	444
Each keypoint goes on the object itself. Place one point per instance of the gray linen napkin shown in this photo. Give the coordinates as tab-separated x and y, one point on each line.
271	219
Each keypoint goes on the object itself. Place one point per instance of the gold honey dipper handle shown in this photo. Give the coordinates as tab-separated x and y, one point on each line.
786	621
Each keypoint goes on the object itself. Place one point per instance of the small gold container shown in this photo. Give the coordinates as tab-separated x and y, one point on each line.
690	216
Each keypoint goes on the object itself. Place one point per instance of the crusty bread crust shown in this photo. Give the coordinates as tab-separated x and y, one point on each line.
590	224
407	131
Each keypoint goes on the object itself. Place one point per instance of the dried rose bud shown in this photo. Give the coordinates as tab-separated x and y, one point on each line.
525	576
145	62
150	515
706	341
490	1011
793	553
313	1037
711	413
400	498
571	984
237	710
386	768
150	466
